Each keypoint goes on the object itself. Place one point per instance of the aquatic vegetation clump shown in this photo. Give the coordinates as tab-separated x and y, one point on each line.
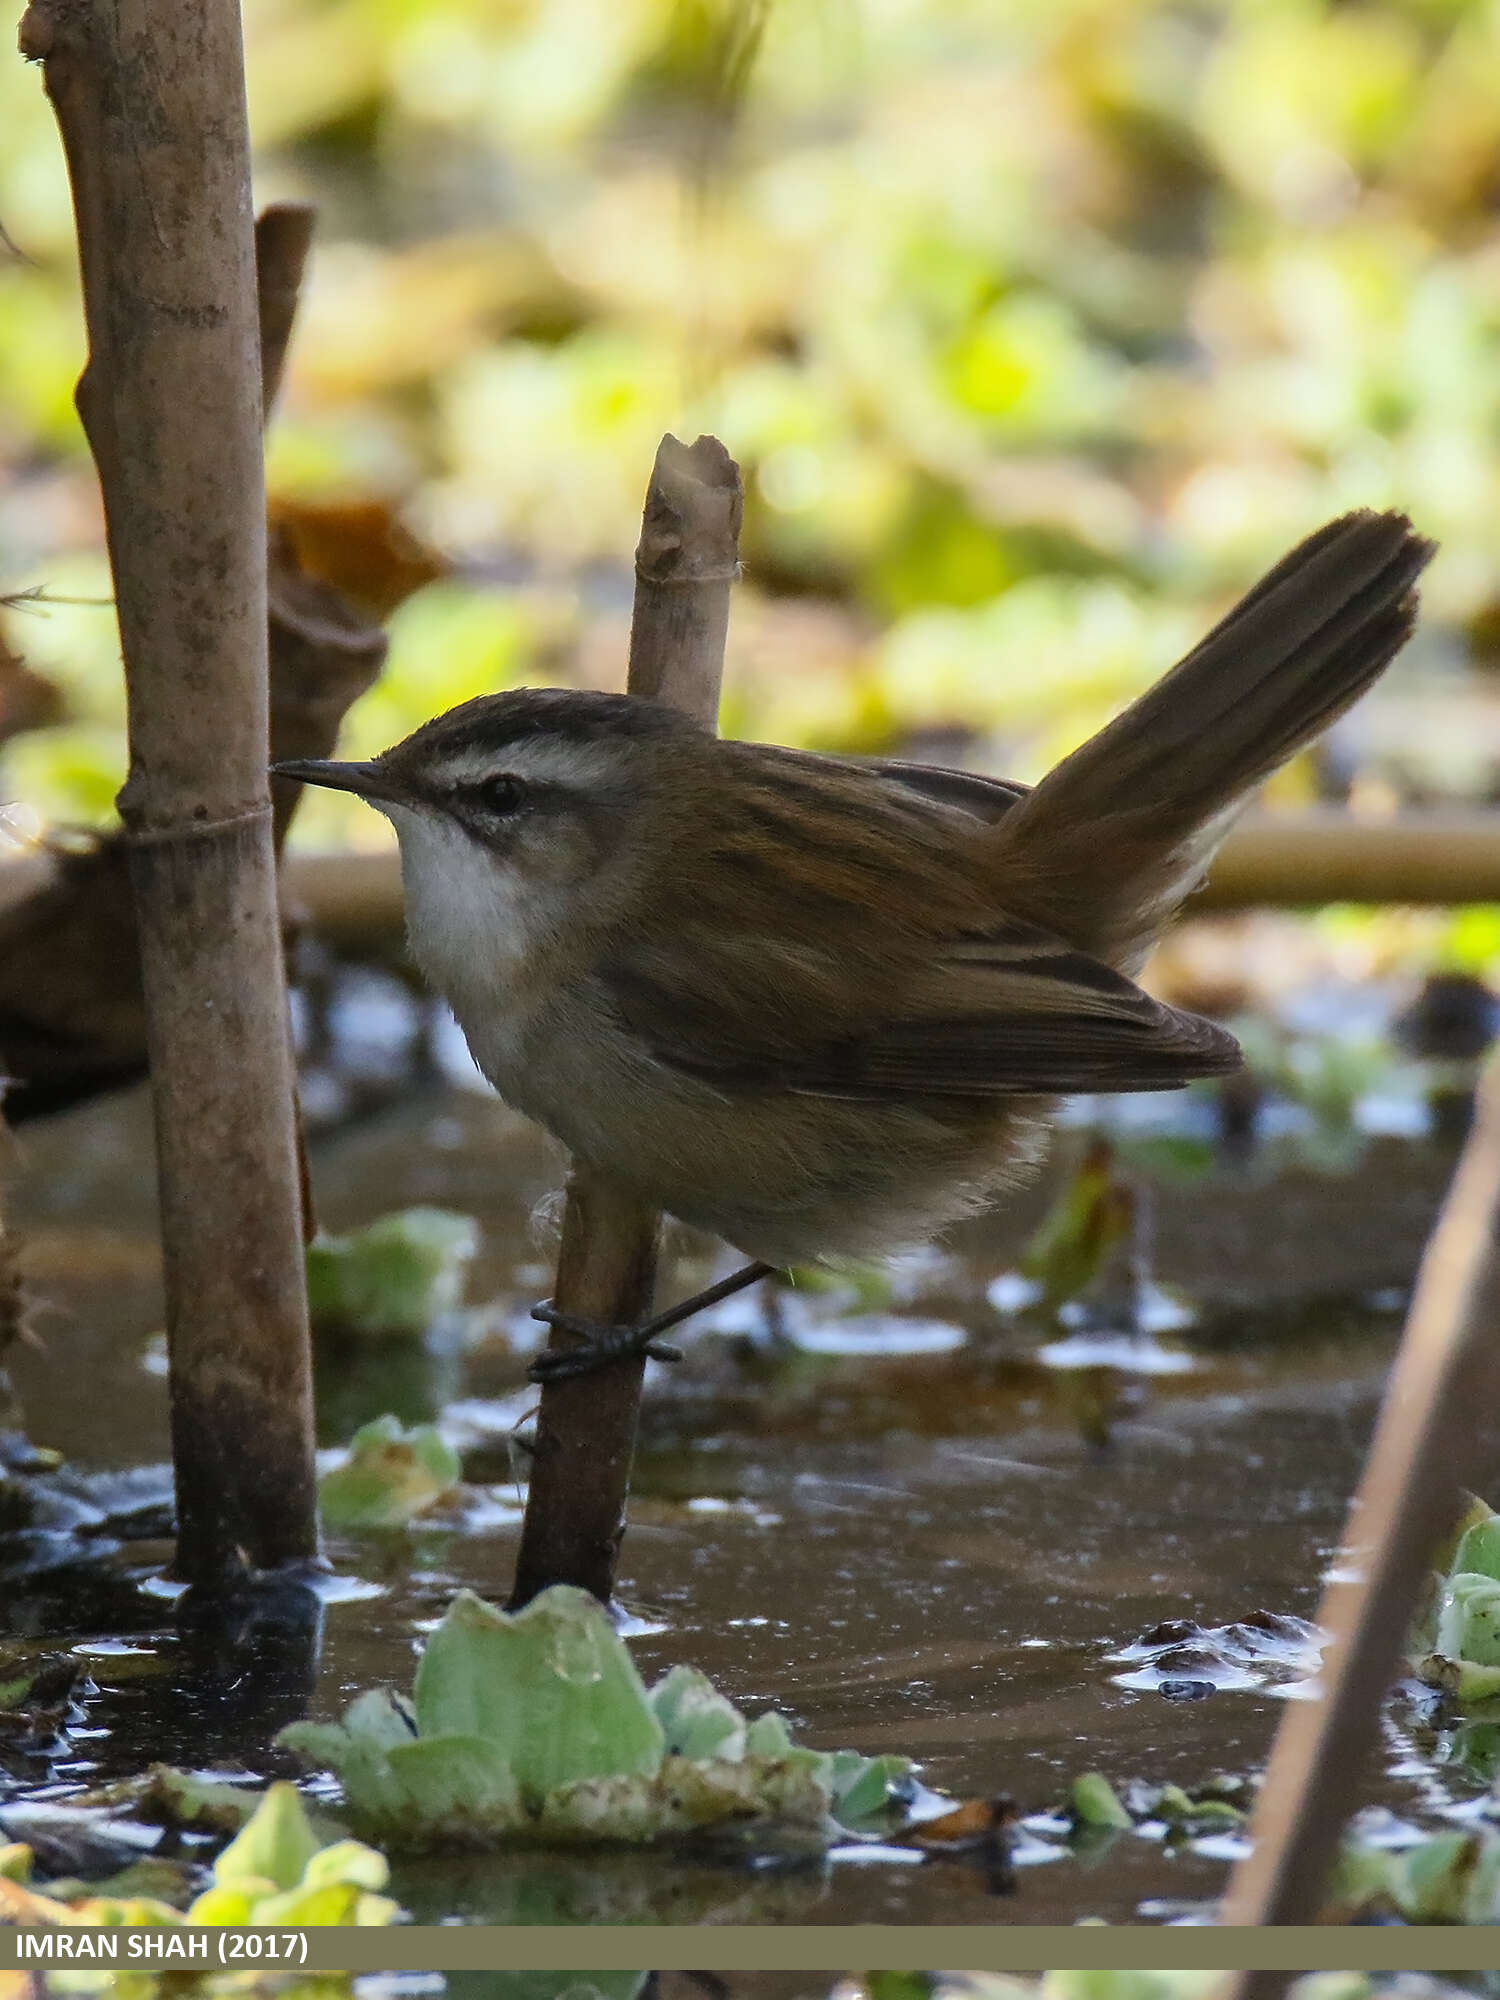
537	1727
1094	1808
1087	1223
272	1872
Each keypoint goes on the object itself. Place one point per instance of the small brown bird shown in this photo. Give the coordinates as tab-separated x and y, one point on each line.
820	1006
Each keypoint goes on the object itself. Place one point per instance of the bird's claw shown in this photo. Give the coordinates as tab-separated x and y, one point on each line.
601	1346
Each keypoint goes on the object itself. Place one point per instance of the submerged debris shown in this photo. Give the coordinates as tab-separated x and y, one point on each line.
53	1518
1185	1661
41	1699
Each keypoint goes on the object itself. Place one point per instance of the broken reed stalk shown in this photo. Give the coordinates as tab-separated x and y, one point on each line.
150	99
606	1268
283	237
1443	1387
72	1016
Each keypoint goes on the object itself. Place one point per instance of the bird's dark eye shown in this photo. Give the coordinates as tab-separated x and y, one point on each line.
501	796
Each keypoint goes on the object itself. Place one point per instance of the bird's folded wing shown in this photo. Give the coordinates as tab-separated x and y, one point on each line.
1011	1013
972	792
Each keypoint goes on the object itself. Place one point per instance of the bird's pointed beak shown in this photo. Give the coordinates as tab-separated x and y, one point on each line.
367	781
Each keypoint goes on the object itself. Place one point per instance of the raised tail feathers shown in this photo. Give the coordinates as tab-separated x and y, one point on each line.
1119	832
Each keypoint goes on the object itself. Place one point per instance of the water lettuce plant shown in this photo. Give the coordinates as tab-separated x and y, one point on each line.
392	1279
1450	1877
1093	1801
1456	1646
390	1476
537	1727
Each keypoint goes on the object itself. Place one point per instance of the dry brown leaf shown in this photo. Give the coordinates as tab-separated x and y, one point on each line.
971	1823
358	546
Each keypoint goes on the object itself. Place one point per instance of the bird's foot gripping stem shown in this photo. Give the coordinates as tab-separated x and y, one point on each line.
600	1346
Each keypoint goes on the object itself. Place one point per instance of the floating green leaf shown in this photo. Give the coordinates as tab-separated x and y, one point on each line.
276	1843
1093	1801
1199	1815
1478	1550
696	1720
275	1873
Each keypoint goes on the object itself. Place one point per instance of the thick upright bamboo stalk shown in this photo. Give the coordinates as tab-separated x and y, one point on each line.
575	1509
1444	1386
150	98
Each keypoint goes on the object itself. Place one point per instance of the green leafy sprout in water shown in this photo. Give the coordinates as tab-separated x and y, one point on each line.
537	1727
1079	1234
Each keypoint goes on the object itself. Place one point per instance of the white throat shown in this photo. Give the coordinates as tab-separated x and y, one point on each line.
473	924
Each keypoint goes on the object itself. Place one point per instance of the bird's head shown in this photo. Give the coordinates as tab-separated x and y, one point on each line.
527	811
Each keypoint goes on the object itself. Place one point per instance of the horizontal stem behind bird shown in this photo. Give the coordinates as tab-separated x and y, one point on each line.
1295	860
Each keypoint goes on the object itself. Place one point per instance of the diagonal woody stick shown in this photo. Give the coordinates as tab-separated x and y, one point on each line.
606	1268
1444	1385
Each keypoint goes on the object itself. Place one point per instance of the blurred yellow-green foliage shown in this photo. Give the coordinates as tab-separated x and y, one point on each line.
1037	328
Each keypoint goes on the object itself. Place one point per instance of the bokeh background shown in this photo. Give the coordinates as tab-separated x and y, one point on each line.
1038	329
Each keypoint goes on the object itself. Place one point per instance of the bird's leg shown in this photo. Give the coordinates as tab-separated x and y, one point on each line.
602	1345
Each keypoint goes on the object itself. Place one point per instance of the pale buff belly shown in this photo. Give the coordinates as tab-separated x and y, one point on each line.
785	1178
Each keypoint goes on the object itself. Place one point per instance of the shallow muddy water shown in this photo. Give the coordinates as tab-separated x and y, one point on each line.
930	1528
